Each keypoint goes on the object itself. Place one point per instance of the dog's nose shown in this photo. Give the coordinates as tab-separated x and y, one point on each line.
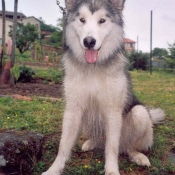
89	42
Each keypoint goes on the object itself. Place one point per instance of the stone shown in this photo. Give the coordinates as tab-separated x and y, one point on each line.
171	158
19	150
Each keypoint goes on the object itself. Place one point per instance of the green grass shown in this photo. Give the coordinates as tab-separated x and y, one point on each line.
37	115
157	90
51	74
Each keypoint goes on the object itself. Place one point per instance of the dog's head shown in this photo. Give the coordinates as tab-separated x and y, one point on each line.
94	29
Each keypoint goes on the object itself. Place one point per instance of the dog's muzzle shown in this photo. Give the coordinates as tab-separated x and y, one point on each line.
91	55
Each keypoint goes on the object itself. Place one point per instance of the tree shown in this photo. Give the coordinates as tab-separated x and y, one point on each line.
3	34
60	24
138	60
25	36
160	52
46	27
170	60
12	80
56	38
172	50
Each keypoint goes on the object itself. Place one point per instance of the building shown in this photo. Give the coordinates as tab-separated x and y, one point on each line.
9	15
31	20
129	45
21	18
8	23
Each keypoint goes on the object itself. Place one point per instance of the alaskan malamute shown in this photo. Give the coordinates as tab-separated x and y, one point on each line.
97	86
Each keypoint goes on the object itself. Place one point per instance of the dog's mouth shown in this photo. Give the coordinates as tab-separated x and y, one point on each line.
91	56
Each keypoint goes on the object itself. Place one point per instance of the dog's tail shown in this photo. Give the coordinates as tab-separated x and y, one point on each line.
157	115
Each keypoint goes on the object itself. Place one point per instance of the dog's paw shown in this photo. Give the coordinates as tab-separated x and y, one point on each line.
140	159
88	146
112	173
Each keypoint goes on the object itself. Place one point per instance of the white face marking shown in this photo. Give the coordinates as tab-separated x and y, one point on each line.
92	26
108	35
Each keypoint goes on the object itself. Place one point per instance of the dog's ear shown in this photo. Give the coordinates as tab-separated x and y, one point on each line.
119	4
70	3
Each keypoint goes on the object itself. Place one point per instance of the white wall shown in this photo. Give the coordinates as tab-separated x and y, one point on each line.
8	23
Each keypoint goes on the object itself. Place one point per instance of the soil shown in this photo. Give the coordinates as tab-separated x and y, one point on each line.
38	87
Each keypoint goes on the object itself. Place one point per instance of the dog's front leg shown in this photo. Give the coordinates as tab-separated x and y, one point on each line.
70	132
113	131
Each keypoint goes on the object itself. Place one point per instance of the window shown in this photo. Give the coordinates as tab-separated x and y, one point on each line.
36	26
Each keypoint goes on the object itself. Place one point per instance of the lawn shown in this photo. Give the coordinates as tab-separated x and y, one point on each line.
44	116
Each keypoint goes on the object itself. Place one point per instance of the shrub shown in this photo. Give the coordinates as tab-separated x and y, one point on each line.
139	60
26	74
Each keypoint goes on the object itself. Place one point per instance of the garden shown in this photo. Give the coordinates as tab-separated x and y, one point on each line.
44	115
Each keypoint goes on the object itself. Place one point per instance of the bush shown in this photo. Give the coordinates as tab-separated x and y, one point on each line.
139	60
26	74
170	63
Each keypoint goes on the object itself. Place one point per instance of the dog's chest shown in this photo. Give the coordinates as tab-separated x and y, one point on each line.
106	85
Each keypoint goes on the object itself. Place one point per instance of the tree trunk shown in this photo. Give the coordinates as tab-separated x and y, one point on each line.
3	34
12	82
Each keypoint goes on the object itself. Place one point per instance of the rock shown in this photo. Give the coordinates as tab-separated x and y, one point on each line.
19	150
171	158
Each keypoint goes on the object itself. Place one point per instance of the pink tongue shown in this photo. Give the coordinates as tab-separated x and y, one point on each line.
91	56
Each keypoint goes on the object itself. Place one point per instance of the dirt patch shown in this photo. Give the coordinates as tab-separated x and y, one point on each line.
38	87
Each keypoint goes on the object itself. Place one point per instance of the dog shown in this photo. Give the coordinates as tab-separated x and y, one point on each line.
98	90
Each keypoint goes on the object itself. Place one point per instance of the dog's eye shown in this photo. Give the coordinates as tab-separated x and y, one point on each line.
102	21
82	20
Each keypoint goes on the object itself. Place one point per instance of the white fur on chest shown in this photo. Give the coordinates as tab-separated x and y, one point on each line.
108	87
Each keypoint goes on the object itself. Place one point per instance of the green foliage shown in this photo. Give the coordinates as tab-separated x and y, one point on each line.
172	50
54	75
170	63
60	24
25	36
26	74
56	38
170	60
49	28
138	59
56	33
46	27
37	46
160	52
15	72
20	58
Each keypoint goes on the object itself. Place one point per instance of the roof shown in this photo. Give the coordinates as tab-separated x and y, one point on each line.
127	40
8	13
7	19
30	17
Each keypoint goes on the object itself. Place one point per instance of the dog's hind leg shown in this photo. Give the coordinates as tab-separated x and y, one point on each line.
139	158
88	145
71	128
137	135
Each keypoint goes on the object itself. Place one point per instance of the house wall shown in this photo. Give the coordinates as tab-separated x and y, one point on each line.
8	23
129	47
32	21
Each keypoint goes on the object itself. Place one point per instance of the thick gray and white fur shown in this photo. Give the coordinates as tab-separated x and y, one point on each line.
98	91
